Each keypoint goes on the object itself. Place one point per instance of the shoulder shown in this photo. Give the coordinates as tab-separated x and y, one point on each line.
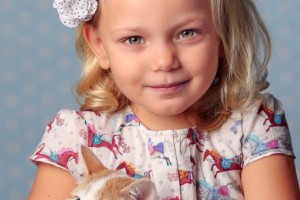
69	126
263	100
267	111
67	123
63	117
75	120
268	101
60	144
260	130
265	129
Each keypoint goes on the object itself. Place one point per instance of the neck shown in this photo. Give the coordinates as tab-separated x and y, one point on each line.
156	122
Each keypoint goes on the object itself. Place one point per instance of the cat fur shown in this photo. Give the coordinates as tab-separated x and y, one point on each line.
100	183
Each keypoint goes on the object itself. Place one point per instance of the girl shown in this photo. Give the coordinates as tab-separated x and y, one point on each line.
171	90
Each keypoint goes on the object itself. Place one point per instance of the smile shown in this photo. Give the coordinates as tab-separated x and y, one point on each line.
168	88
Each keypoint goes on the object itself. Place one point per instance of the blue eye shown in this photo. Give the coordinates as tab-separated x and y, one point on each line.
187	34
135	40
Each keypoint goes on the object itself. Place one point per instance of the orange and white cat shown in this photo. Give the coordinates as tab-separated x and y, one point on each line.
101	183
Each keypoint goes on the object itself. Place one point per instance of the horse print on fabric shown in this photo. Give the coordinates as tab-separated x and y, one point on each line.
157	151
103	140
258	146
129	169
222	163
61	157
275	119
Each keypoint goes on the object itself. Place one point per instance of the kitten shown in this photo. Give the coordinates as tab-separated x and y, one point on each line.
105	184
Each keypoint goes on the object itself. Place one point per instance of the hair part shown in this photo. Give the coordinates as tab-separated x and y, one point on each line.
242	70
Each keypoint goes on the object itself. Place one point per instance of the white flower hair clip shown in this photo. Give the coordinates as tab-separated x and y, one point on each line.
73	12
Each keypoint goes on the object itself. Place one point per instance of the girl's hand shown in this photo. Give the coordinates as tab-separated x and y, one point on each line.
273	177
51	183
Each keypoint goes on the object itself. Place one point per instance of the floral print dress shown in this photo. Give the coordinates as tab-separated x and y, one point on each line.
184	163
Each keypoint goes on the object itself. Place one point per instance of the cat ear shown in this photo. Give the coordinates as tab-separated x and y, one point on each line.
92	163
139	189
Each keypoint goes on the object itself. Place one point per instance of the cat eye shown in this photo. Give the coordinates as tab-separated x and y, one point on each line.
77	198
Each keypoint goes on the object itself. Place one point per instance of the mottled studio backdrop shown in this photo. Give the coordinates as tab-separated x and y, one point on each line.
39	70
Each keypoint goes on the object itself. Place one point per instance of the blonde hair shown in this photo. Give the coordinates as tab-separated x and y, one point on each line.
241	75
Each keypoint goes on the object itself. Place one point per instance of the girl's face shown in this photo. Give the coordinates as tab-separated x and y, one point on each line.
163	55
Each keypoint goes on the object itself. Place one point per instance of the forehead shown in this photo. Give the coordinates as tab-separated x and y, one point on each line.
141	11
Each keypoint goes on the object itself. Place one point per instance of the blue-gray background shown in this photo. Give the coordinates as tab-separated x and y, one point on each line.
39	70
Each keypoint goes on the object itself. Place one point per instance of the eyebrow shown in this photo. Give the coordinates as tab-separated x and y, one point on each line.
188	20
129	28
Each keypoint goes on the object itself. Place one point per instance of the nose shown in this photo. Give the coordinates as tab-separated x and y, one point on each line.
164	57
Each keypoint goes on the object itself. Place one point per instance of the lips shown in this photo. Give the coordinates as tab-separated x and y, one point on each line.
168	85
168	89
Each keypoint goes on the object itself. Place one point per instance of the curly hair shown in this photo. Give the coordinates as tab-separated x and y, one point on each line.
241	75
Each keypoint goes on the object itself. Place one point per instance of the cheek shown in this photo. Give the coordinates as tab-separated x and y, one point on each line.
127	69
119	76
125	79
205	62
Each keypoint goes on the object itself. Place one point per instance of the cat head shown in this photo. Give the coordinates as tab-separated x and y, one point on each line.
105	184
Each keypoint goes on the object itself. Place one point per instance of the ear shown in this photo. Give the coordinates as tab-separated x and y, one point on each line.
95	43
140	189
93	164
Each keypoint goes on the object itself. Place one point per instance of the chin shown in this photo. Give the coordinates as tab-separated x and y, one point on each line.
170	111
